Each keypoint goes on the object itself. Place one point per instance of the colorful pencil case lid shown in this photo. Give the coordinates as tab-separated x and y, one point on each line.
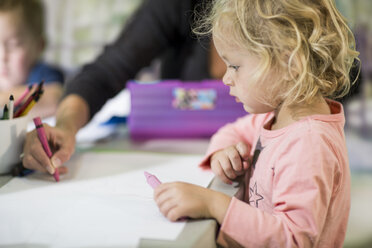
176	109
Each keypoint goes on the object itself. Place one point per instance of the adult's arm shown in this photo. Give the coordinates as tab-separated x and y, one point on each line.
157	25
72	114
48	103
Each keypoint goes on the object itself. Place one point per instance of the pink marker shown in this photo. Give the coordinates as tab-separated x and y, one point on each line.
152	180
43	139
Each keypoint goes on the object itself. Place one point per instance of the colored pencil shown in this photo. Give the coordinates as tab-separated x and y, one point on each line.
24	94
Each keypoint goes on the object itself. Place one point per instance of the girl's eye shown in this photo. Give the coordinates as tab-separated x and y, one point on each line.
13	44
235	67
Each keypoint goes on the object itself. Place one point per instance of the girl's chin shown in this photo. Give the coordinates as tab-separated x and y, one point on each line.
258	110
255	110
247	109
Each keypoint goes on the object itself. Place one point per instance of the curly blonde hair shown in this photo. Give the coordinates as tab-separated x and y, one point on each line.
307	41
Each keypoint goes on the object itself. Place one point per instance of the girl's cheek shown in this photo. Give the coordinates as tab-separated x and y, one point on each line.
20	65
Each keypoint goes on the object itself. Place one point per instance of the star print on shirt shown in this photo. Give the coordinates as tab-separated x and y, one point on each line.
254	197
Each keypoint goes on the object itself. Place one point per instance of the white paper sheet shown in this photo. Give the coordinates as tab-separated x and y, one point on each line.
103	201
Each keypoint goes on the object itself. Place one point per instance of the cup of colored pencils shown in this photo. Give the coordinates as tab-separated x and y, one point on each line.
13	125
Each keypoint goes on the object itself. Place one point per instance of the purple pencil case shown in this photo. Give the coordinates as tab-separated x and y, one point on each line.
176	109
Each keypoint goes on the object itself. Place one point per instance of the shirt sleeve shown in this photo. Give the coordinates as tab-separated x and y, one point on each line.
154	27
245	129
305	177
45	72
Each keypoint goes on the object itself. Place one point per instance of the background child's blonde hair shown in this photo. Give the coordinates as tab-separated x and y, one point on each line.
308	42
31	13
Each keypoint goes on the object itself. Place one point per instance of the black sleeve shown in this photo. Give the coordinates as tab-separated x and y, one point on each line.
157	25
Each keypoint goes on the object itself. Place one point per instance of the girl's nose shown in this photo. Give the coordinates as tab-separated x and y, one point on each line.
227	80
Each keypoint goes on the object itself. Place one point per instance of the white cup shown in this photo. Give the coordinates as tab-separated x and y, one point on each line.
12	136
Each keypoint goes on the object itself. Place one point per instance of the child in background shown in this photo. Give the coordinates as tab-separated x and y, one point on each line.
284	59
22	41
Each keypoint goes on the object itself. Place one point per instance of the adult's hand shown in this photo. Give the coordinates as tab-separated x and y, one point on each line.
72	114
62	143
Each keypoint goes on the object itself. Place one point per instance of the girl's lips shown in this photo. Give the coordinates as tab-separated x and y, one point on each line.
236	99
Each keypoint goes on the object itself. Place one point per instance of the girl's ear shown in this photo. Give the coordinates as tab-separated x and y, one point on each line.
285	76
42	44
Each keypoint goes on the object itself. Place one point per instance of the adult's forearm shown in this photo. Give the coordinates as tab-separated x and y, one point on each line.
48	103
72	113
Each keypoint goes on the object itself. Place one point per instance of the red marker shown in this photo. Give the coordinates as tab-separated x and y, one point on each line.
44	142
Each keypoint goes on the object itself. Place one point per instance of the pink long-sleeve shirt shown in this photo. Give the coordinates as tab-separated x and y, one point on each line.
299	191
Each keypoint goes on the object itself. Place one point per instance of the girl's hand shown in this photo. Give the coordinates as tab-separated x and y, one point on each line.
176	200
230	162
62	144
